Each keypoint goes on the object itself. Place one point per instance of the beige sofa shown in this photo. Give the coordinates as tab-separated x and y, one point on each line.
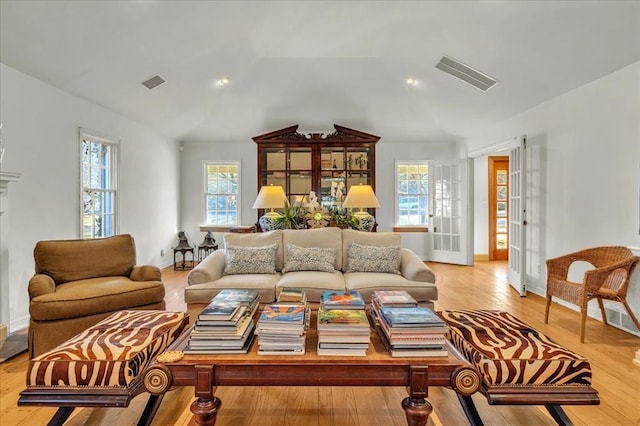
353	265
81	282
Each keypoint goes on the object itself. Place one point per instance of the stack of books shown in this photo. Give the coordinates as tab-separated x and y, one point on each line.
343	328
282	325
408	330
226	325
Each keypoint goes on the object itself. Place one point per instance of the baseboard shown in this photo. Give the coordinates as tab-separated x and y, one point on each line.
480	257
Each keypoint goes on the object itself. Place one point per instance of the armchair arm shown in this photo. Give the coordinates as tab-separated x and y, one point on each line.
559	267
413	268
210	269
145	273
41	284
595	278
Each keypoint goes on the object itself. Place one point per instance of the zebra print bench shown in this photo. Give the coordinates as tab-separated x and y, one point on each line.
518	364
102	366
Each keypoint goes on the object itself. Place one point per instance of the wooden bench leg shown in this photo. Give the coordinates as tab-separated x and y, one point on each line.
470	410
150	410
559	415
61	416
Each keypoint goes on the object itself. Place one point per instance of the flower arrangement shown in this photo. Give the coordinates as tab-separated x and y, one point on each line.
312	214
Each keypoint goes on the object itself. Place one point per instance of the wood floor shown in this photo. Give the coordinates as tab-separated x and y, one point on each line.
482	286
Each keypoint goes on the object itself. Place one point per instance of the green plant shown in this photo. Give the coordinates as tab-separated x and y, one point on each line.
291	217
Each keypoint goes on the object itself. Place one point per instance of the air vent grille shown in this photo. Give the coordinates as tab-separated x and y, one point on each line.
465	73
152	82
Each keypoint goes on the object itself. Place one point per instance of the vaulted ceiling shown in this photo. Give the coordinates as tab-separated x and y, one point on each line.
315	63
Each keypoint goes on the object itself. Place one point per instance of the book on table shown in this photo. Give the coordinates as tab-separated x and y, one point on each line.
239	314
281	329
241	296
419	316
412	351
293	295
226	333
342	319
393	298
215	350
351	299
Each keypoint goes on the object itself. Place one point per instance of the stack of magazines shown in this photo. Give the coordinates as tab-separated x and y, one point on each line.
343	328
282	325
226	325
406	329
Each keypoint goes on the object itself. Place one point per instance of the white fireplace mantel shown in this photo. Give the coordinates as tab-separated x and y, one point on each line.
5	179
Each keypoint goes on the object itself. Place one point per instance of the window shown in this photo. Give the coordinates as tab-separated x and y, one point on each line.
221	193
99	186
412	193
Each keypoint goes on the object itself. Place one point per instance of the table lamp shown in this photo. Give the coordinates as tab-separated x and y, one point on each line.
270	197
362	197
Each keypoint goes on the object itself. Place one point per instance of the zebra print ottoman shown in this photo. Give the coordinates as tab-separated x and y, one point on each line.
102	366
518	364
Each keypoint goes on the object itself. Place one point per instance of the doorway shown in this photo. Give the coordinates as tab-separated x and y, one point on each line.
498	195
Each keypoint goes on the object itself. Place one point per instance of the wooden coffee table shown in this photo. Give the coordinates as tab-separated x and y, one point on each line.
378	368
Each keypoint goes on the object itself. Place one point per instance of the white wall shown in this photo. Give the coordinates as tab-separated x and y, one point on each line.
41	137
387	152
584	171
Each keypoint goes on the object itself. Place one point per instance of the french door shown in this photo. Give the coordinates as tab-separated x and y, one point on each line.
449	215
517	271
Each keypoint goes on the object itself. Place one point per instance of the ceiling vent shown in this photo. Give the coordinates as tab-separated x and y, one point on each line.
152	82
466	73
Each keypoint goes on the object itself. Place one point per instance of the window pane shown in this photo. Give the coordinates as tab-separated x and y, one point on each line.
222	189
98	164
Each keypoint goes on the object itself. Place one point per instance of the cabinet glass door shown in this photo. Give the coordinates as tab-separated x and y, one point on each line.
358	167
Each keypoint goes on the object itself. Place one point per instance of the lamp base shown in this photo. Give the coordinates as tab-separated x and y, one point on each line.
268	222
366	222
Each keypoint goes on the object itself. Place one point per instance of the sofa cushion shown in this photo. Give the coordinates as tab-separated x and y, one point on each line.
312	282
367	282
94	296
250	260
111	353
330	237
67	260
364	258
309	259
367	238
204	292
258	239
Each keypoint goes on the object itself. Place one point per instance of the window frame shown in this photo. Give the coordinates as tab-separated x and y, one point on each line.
408	227
206	194
85	134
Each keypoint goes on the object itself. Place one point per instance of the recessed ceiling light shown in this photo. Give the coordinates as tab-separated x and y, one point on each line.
223	81
411	81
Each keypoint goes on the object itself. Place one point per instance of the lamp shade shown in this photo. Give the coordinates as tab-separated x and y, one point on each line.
361	196
270	197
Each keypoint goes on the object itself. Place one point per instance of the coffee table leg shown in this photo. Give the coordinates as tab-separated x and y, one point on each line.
417	411
416	407
205	410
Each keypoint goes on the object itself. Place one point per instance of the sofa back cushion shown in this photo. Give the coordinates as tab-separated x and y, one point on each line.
259	239
380	239
318	237
73	260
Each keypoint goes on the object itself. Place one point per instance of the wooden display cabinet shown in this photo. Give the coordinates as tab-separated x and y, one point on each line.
314	162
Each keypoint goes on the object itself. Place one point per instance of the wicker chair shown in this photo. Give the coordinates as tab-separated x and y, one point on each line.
608	281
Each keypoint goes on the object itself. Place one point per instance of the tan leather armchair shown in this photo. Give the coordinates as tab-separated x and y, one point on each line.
80	282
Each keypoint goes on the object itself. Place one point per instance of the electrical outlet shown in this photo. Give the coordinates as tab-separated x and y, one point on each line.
161	252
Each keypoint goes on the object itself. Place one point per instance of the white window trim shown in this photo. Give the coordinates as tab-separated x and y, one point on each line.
203	199
85	133
396	201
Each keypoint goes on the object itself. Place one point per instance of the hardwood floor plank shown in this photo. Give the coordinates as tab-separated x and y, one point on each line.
482	286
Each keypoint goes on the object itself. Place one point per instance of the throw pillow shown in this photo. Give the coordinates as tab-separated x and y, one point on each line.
251	260
309	259
363	258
